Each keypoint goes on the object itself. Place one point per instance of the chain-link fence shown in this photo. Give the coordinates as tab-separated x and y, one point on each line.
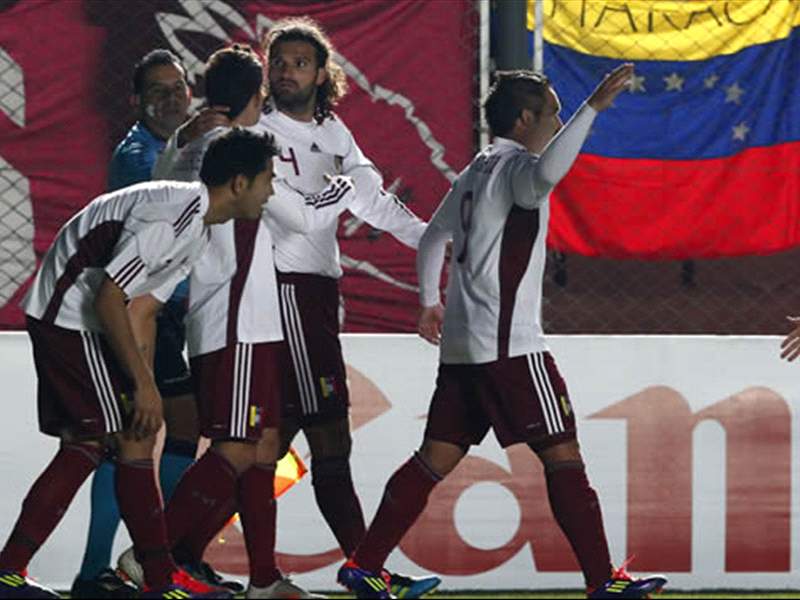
682	214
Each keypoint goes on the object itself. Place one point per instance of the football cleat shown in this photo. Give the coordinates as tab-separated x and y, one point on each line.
623	585
183	586
106	585
363	583
17	585
282	588
204	572
405	586
130	568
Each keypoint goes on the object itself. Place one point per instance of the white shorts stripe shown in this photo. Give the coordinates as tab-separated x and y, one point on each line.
248	379
102	393
113	407
242	372
235	390
291	340
314	406
545	411
539	360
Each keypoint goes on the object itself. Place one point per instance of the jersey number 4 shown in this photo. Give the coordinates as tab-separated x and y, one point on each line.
291	159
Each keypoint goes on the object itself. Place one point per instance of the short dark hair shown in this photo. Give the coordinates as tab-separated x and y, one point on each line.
305	29
154	58
237	152
232	76
511	92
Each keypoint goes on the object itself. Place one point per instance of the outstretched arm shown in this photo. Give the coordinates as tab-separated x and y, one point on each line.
384	210
301	213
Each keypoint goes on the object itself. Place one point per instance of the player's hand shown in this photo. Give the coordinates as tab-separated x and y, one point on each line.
790	346
611	86
202	122
429	325
148	411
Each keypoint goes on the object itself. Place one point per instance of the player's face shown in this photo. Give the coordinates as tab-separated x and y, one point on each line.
546	124
294	76
255	195
164	100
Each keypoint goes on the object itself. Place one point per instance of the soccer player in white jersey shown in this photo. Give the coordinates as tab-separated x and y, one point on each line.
305	84
495	370
95	385
236	347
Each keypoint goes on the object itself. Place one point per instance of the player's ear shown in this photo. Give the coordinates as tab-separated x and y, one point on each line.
322	75
239	183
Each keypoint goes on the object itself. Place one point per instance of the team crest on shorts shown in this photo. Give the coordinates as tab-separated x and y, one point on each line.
255	416
328	387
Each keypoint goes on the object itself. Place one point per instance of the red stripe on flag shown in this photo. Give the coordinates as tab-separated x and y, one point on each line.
747	204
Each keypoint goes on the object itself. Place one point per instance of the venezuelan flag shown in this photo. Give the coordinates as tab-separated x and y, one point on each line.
701	158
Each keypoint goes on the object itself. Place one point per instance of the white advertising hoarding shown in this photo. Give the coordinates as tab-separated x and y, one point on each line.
689	442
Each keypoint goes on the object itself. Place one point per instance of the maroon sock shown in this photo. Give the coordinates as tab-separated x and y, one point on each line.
258	511
141	509
337	500
403	501
206	486
193	545
47	501
576	508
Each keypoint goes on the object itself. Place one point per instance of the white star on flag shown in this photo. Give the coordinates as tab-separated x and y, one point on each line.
674	82
636	84
740	131
734	93
710	81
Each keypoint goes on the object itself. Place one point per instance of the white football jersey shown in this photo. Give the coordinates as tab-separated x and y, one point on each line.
497	215
233	292
310	151
144	237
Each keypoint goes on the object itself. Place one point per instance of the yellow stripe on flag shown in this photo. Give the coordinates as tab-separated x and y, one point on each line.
665	29
289	470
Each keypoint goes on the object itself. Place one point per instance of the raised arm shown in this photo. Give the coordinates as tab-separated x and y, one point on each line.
541	175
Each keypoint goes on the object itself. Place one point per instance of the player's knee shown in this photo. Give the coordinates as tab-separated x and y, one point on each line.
441	457
330	440
93	450
269	446
240	454
325	471
567	452
131	448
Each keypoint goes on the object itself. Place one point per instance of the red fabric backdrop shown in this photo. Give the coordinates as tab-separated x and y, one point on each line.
411	108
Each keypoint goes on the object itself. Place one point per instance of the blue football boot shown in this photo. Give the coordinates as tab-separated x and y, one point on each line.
363	583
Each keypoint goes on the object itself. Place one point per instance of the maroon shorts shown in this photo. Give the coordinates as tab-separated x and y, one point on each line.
82	389
317	382
238	389
524	399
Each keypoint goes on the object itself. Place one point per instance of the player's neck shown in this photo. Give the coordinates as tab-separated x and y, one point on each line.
306	115
219	205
